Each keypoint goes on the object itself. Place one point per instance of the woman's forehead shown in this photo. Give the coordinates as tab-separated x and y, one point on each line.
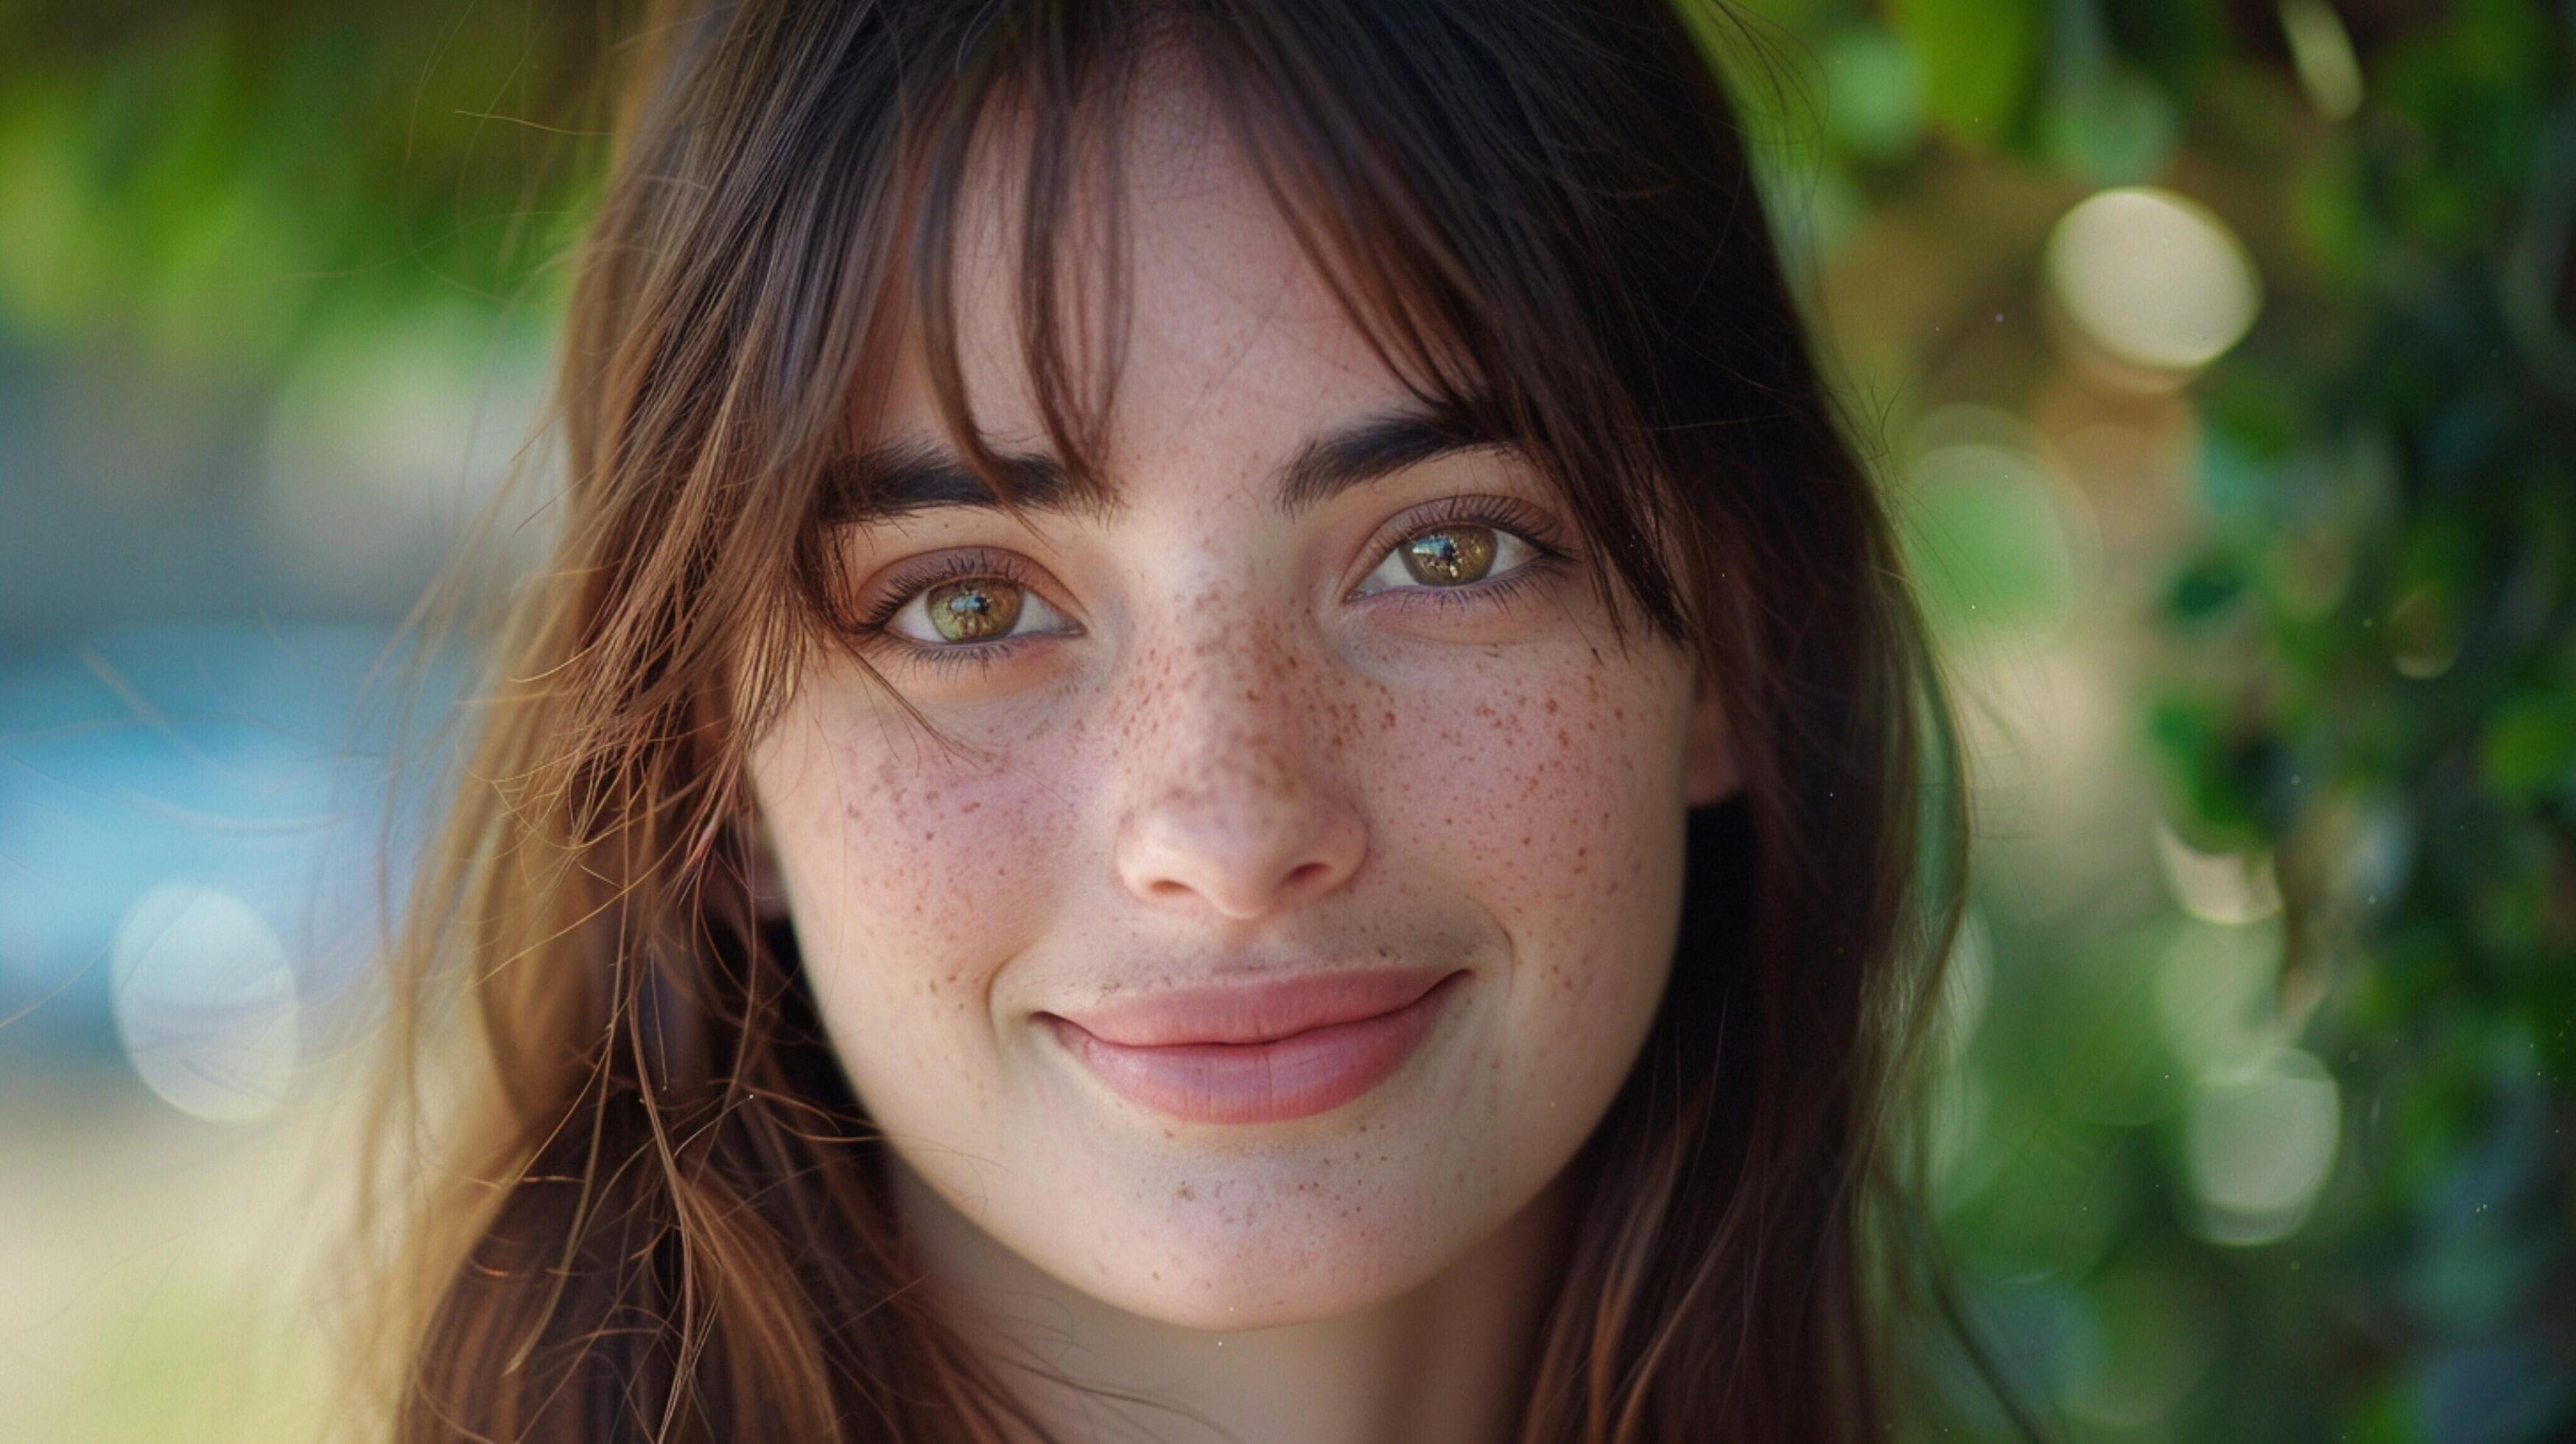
1226	331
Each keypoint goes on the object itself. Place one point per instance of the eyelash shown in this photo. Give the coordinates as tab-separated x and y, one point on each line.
1497	513
877	624
1547	556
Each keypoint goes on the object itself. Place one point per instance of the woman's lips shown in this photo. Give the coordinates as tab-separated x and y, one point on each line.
1258	1053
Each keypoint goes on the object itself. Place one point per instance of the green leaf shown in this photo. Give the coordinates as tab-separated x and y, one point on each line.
1977	59
2204	588
2528	747
1877	99
2117	130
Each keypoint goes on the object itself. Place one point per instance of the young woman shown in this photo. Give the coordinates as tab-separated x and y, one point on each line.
1221	745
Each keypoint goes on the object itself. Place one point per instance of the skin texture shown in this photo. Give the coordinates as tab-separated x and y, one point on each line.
1204	759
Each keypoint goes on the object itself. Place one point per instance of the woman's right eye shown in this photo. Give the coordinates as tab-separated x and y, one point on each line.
963	611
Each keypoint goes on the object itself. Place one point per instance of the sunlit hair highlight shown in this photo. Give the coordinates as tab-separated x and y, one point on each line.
658	1211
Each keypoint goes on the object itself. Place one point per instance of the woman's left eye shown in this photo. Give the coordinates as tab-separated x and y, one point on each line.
1452	555
965	610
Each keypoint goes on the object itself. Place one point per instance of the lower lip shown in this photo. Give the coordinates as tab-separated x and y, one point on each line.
1294	1077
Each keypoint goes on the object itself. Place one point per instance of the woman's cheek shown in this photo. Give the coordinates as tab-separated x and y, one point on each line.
1553	786
1561	811
915	871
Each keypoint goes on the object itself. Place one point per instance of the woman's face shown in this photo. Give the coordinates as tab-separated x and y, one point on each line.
1301	867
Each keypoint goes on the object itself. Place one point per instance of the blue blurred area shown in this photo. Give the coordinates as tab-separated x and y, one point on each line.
257	760
203	571
216	761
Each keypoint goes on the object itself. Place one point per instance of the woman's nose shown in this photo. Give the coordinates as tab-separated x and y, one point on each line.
1234	808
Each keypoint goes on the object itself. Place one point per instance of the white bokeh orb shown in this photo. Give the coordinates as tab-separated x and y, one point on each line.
2261	1142
2152	278
205	1002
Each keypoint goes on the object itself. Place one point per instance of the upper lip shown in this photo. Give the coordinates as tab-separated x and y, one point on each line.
1254	1010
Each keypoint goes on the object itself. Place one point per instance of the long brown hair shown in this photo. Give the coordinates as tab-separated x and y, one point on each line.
659	1211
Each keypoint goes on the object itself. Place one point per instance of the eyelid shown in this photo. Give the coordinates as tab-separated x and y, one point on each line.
1498	513
902	584
1034	617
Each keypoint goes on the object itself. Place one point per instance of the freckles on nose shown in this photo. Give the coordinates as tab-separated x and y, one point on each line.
1229	799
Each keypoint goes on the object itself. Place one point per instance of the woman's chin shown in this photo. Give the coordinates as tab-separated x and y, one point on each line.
1305	1255
1254	1246
1262	1278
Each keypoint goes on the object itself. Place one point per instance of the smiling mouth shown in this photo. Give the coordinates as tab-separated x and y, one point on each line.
1261	1053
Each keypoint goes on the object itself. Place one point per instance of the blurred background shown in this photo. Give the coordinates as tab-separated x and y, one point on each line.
2220	358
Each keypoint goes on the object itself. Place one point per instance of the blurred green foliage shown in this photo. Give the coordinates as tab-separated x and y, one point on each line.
2380	687
2257	1129
222	184
2362	693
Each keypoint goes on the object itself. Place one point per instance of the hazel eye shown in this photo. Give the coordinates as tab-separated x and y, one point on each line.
967	610
1454	555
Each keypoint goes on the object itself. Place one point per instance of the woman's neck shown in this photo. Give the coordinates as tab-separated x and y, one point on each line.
1445	1362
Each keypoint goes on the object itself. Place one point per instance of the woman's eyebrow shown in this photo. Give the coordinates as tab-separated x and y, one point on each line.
897	478
1377	446
889	481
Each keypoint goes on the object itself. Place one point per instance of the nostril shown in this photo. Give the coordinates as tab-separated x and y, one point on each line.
1303	874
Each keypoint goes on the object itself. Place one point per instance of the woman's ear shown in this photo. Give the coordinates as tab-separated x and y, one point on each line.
1709	771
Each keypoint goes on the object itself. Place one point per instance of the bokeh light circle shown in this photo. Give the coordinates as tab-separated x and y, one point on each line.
2260	1144
205	1002
2152	278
